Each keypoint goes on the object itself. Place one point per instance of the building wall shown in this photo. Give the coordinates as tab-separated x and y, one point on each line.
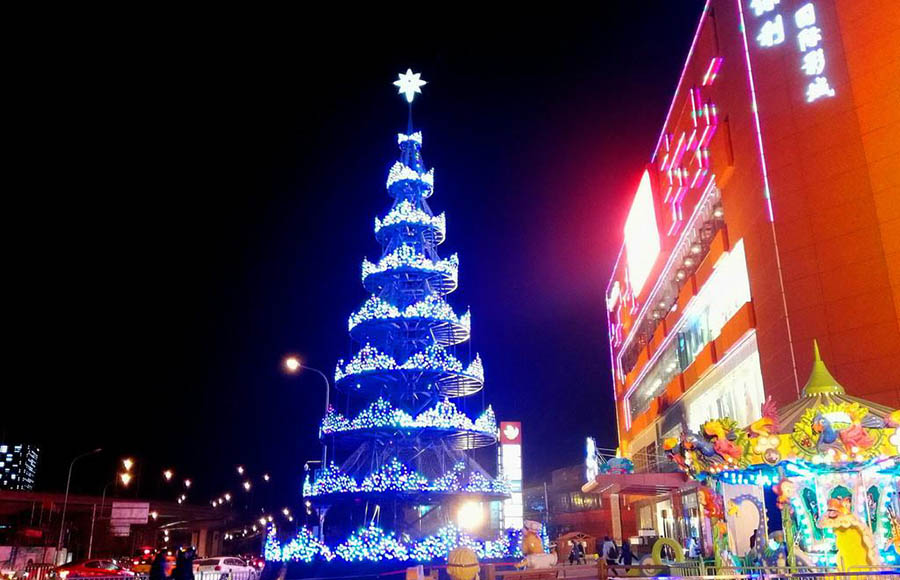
810	190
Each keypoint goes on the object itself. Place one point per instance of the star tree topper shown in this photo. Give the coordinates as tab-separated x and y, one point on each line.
409	84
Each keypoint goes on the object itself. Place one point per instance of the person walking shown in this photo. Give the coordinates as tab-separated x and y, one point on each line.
184	564
627	556
158	566
610	551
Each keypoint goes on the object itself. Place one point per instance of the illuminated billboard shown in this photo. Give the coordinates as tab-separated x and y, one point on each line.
641	236
511	468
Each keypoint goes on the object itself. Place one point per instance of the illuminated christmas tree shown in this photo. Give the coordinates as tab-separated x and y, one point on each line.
404	441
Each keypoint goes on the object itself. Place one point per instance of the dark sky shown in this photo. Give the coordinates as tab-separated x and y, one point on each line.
195	200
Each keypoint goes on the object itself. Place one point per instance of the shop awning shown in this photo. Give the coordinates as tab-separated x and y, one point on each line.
637	483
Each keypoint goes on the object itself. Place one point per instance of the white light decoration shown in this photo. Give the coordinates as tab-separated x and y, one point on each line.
396	477
406	212
434	357
415	137
443	415
406	256
400	172
367	359
409	84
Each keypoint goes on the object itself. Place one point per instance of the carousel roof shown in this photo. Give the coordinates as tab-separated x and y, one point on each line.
822	390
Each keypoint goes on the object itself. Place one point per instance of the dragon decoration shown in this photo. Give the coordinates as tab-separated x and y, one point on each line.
834	432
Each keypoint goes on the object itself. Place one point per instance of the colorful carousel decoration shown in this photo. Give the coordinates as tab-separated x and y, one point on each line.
828	464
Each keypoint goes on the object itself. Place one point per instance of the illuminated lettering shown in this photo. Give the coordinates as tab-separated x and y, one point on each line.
771	33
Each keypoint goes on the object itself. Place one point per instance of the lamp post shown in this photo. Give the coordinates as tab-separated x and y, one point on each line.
293	365
62	520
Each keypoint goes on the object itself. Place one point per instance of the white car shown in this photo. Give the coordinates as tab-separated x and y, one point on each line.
224	567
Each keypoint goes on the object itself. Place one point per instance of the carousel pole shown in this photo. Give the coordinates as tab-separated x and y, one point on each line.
717	539
787	526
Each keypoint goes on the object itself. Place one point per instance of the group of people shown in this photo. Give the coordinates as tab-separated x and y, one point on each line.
184	565
608	550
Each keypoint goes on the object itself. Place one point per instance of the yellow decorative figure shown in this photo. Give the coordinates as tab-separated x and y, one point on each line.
535	558
854	540
462	564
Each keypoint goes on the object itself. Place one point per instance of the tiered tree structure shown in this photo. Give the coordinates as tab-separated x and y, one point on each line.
404	439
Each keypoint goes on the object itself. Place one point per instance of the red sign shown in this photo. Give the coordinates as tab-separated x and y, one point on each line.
510	432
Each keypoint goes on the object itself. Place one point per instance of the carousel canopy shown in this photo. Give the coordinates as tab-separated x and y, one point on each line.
826	427
823	390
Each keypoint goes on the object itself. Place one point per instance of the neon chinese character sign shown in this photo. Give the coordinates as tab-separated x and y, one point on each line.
812	61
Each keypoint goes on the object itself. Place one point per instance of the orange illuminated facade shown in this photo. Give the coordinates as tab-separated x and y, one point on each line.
768	215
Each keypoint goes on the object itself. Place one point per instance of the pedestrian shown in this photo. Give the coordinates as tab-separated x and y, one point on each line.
693	548
579	553
627	556
158	566
753	539
610	551
184	564
571	552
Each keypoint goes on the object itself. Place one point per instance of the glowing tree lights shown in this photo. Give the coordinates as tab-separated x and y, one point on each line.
399	479
402	440
373	544
444	415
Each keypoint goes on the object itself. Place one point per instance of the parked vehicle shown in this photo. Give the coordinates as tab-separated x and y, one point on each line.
231	566
92	568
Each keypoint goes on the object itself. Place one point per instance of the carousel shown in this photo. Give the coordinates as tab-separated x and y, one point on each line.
813	484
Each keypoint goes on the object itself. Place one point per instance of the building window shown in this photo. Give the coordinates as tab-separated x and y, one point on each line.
726	291
733	389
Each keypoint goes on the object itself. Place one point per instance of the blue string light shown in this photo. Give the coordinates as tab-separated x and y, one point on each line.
373	544
381	414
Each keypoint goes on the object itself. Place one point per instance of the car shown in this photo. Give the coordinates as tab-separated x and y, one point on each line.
92	568
225	566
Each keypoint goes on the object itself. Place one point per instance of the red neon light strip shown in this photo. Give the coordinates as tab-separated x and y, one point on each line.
681	79
714	65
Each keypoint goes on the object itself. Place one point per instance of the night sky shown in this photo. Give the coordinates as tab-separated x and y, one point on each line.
195	201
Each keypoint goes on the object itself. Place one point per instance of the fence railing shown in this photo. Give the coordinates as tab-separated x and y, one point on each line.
690	571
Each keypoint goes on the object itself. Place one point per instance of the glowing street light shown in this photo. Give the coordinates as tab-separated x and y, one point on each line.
187	483
128	463
126	478
168	474
292	364
227	497
240	469
247	485
154	514
266	476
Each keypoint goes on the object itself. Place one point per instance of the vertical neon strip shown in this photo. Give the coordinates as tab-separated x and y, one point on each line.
762	155
762	158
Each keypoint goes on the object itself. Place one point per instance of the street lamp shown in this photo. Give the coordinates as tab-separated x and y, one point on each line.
247	486
168	474
125	478
293	364
128	463
187	483
62	520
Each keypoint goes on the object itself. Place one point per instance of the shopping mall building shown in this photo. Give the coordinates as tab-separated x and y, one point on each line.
768	215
